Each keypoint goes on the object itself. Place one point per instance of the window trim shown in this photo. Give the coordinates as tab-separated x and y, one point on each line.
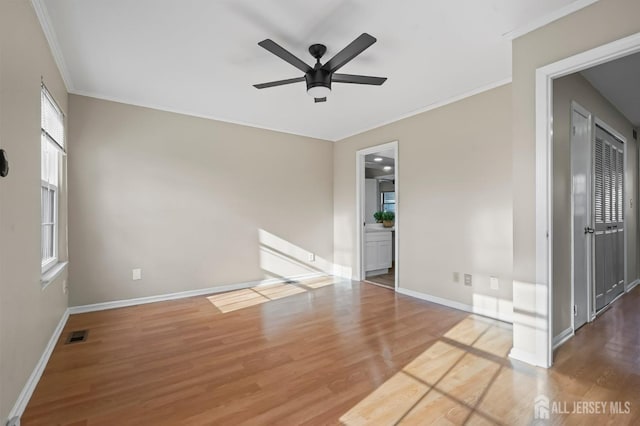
52	261
49	264
382	203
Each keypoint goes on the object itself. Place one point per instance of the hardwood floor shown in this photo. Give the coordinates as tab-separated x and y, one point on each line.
387	280
324	352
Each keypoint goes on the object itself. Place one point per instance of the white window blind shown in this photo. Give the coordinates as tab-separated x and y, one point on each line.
51	119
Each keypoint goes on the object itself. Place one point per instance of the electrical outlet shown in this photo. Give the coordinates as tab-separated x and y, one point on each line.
467	280
136	274
494	283
65	287
456	277
311	257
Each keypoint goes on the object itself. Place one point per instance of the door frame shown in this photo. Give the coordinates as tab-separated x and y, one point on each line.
575	106
544	180
360	183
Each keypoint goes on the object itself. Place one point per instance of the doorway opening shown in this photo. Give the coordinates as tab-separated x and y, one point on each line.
554	191
599	213
377	215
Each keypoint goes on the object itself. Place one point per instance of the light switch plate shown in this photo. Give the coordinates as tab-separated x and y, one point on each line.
494	283
311	257
136	274
456	277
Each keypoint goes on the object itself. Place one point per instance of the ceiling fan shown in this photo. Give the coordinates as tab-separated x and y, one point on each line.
320	77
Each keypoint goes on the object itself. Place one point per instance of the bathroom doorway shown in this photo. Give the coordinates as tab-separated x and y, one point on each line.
378	214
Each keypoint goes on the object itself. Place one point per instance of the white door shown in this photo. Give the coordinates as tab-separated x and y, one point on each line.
609	217
582	229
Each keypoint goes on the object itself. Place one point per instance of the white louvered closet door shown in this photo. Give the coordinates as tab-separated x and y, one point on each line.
609	217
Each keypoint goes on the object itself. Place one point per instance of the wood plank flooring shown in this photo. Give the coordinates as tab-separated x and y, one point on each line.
324	352
387	280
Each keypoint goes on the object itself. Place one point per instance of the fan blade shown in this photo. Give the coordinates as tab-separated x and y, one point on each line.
355	48
284	54
320	100
278	83
357	79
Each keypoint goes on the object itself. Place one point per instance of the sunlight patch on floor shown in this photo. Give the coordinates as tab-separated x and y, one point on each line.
450	380
244	298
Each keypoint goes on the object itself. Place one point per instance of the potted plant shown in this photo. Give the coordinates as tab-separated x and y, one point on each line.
387	219
378	216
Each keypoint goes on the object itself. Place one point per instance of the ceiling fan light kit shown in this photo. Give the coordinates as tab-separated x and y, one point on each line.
320	77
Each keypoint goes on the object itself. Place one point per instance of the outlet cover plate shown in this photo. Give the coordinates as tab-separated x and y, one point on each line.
468	281
494	283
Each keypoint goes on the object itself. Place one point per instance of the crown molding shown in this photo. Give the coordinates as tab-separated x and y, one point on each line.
430	107
47	27
547	19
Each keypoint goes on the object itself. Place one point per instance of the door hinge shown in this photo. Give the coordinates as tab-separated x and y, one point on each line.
575	310
574	130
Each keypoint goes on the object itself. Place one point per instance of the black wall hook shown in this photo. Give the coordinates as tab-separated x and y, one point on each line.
4	164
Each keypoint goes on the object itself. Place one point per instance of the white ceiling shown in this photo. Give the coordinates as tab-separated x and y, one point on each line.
201	57
619	82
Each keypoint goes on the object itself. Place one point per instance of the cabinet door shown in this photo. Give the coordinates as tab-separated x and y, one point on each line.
371	255
384	255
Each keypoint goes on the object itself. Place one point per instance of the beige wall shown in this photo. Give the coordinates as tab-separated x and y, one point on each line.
195	203
454	195
600	23
575	87
28	313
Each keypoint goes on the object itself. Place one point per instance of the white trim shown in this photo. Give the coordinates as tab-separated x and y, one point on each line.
396	223
457	305
184	294
561	338
34	378
544	222
429	107
602	124
360	274
47	28
576	107
632	285
53	273
435	105
547	19
544	206
158	107
524	356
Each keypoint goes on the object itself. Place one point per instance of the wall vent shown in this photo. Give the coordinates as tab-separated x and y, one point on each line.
77	336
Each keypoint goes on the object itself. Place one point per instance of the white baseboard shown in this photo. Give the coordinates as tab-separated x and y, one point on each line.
562	337
457	305
632	285
184	294
34	378
342	272
526	357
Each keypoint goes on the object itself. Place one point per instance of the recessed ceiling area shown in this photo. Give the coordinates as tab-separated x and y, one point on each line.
619	82
379	164
201	57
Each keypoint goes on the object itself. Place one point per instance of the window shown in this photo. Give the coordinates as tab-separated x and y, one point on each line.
388	201
52	144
